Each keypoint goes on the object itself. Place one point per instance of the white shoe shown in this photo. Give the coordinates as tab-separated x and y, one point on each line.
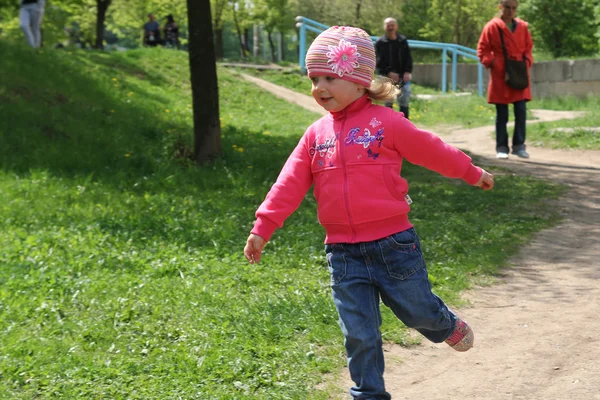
502	155
521	153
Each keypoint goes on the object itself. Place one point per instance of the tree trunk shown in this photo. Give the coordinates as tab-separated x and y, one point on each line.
246	34
101	7
205	91
239	33
358	5
218	43
272	45
458	22
218	27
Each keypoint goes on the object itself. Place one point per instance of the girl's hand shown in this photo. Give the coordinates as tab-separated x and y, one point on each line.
486	182
254	247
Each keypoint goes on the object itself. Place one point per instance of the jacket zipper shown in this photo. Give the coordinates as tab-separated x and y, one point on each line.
346	197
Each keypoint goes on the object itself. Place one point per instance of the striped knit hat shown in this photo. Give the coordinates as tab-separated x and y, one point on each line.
342	52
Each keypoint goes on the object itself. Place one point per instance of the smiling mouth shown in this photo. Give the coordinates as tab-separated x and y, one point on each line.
326	99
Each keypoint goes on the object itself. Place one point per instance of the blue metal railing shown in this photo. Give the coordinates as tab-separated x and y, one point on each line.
305	24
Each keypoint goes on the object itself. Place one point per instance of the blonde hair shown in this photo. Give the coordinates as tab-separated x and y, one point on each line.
383	89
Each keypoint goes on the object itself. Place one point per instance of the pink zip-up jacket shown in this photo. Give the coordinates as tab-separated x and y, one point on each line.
354	158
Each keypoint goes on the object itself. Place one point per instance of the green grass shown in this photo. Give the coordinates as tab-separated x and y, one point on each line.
468	111
473	111
121	270
581	137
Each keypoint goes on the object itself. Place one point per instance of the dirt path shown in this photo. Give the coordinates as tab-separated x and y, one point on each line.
537	329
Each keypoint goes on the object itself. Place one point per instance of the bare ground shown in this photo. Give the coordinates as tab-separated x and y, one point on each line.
536	329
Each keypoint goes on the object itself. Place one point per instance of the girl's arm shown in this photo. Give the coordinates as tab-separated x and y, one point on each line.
287	193
428	150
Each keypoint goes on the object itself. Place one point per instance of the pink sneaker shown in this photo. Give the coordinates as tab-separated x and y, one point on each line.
462	338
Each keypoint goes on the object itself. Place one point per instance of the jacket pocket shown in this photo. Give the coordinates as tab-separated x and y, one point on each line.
329	193
371	196
395	184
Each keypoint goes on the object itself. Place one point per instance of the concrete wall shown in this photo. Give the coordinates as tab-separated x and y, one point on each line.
549	78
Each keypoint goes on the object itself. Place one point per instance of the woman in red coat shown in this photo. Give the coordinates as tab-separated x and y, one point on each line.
518	44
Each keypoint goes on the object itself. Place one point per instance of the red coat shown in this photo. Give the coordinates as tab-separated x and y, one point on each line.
489	49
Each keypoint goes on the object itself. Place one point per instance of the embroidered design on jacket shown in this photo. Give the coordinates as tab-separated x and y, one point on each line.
372	155
325	148
374	123
365	139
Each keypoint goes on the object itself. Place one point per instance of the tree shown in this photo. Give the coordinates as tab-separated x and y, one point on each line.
239	12
101	7
274	14
219	7
461	23
205	91
567	30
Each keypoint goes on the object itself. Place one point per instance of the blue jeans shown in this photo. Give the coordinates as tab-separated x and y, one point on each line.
518	140
403	98
391	269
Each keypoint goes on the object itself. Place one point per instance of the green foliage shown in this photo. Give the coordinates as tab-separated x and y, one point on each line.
274	14
121	270
219	9
368	15
58	15
125	19
569	28
459	23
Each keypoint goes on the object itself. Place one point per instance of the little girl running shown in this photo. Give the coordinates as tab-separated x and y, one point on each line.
353	157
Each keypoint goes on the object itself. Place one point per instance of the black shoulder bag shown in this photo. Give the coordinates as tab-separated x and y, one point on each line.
516	71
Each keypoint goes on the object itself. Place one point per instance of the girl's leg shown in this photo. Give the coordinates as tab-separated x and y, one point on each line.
405	288
518	142
356	298
501	133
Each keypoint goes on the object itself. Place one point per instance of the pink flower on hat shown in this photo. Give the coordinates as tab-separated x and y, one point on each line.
343	58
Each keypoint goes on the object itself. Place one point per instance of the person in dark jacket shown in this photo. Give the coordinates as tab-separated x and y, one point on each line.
151	32
395	61
171	32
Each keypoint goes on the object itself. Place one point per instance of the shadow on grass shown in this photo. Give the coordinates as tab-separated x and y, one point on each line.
70	122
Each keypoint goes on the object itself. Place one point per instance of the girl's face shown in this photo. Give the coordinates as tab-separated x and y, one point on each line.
335	94
509	9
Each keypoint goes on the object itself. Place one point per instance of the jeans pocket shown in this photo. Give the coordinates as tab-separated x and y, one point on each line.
336	261
401	253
